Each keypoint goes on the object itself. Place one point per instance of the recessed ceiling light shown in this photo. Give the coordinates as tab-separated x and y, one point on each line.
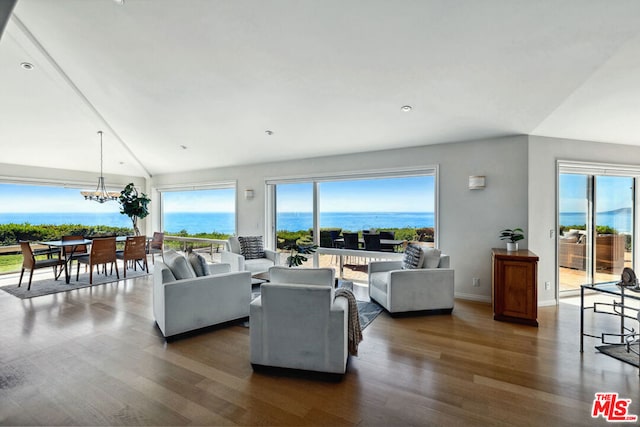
120	2
406	108
268	132
27	65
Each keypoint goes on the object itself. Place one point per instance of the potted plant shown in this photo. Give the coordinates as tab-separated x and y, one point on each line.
133	205
512	236
298	249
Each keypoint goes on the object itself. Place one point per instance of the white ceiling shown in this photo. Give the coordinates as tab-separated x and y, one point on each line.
326	76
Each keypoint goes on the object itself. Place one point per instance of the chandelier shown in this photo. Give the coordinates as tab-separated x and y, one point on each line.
101	194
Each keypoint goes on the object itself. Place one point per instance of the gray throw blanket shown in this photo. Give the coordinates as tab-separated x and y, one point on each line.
354	331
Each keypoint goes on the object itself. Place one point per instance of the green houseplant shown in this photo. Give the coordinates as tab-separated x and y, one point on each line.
298	249
512	235
134	205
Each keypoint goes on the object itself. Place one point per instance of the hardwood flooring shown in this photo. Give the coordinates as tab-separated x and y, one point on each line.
94	356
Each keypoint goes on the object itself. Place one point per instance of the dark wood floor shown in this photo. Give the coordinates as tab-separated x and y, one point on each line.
95	357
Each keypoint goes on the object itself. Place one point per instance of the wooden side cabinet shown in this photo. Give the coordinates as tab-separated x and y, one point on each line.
514	282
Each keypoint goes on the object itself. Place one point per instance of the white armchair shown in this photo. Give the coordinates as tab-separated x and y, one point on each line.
303	276
238	262
188	303
401	290
299	325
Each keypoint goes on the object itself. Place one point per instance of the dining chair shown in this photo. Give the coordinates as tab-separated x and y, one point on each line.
371	242
30	263
351	240
387	235
135	251
73	252
103	251
156	246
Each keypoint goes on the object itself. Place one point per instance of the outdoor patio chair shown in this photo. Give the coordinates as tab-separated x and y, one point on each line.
156	246
371	242
387	235
30	263
135	252
103	251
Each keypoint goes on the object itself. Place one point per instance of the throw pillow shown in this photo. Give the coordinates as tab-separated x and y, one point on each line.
234	245
413	255
199	264
251	247
178	265
431	258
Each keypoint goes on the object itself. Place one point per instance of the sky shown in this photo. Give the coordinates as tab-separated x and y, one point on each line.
218	200
612	192
18	198
411	194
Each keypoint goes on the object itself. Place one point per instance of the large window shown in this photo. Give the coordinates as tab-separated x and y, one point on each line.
40	204
200	212
400	204
380	203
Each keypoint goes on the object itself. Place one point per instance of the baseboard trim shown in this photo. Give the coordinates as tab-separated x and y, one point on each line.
473	297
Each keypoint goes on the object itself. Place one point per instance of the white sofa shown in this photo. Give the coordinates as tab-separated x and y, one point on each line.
427	288
299	325
187	302
234	257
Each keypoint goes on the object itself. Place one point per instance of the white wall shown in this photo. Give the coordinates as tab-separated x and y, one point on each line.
470	220
544	153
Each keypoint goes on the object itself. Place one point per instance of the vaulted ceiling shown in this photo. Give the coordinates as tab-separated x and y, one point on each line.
178	85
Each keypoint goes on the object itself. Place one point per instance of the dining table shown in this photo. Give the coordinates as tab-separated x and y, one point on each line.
68	255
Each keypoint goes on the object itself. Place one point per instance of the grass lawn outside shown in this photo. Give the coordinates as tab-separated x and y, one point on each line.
11	263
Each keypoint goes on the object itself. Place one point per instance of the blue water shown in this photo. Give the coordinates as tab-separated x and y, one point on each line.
620	219
223	222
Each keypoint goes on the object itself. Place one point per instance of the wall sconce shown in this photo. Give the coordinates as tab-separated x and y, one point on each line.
476	182
248	194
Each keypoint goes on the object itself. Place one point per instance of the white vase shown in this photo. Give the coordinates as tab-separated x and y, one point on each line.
512	246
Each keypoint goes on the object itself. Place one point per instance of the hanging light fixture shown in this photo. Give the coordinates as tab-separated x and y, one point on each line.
101	194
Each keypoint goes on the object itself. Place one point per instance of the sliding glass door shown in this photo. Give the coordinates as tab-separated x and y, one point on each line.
596	227
613	212
574	240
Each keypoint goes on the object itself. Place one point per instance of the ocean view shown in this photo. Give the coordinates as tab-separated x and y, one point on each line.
620	219
224	222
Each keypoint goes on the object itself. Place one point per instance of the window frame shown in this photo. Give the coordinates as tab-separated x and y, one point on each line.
218	185
315	179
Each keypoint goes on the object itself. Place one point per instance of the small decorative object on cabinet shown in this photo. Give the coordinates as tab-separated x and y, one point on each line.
515	286
512	235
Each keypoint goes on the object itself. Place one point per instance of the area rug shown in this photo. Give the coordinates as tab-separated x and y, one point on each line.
49	286
619	351
367	311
